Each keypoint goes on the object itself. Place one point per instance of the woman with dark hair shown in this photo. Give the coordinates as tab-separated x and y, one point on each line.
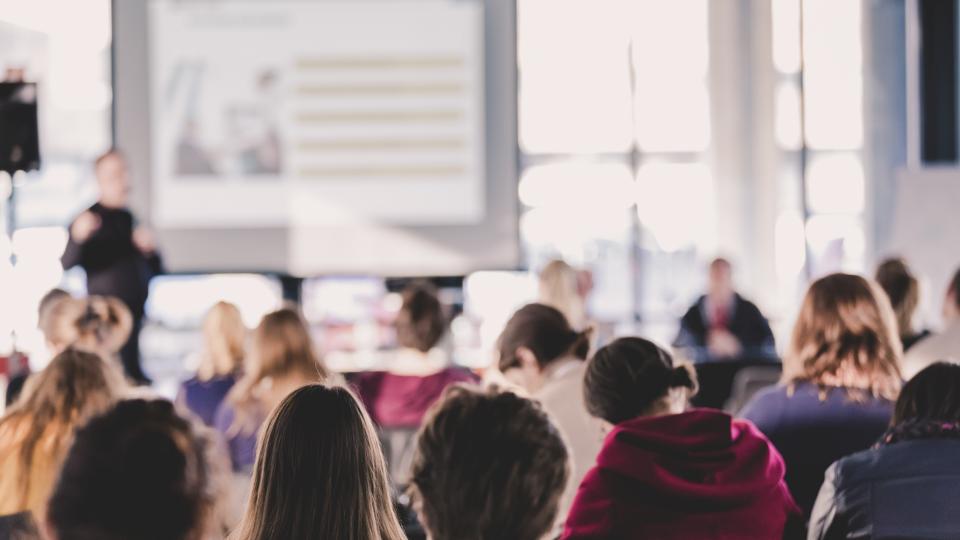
903	290
840	377
489	465
418	371
138	471
544	354
320	473
907	484
670	473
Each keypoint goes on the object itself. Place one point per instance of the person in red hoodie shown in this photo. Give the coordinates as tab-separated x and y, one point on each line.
666	472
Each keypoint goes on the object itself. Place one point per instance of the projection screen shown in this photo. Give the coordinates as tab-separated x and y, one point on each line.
373	137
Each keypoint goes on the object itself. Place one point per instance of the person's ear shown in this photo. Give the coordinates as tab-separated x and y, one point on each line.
528	360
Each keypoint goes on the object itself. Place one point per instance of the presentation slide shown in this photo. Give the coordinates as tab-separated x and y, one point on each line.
289	113
321	137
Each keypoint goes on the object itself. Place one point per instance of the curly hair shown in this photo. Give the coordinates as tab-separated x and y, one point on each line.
846	335
488	464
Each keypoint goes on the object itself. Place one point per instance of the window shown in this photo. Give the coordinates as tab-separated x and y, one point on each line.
64	46
829	79
606	120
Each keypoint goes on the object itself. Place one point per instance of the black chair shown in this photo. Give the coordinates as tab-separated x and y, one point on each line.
717	380
750	380
18	526
398	446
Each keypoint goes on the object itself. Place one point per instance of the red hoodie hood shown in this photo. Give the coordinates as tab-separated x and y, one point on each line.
703	457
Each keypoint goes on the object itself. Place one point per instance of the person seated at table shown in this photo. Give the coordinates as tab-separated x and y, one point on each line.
418	371
320	472
221	361
841	374
903	289
44	310
488	465
906	485
722	325
282	359
37	431
137	471
669	472
944	345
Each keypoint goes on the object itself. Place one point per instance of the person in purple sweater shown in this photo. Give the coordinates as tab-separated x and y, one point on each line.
224	338
840	377
282	359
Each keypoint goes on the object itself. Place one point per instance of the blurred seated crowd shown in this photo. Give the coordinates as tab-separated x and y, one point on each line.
564	436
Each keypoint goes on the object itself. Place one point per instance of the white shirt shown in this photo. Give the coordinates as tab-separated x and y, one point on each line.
944	346
562	397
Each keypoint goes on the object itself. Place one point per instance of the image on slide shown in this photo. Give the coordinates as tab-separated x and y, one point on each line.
220	129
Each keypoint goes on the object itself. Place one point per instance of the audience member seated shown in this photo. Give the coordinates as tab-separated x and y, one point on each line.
282	359
943	346
138	471
419	371
903	290
98	324
489	465
722	325
37	431
320	473
666	472
44	308
905	486
221	361
565	288
539	349
840	377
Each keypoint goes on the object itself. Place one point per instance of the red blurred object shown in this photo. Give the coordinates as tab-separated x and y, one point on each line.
15	364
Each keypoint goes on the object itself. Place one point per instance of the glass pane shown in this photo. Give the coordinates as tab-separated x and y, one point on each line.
670	38
786	35
675	204
833	80
836	243
489	300
577	186
673	117
64	45
835	184
37	251
565	233
671	99
789	250
181	302
574	76
669	283
787	116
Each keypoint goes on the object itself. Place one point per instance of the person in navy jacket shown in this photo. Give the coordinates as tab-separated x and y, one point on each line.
722	325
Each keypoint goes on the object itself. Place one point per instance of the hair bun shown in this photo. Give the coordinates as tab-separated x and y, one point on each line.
681	377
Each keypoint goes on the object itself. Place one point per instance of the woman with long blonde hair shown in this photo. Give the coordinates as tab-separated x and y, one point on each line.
221	361
282	358
37	431
560	288
320	473
841	375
